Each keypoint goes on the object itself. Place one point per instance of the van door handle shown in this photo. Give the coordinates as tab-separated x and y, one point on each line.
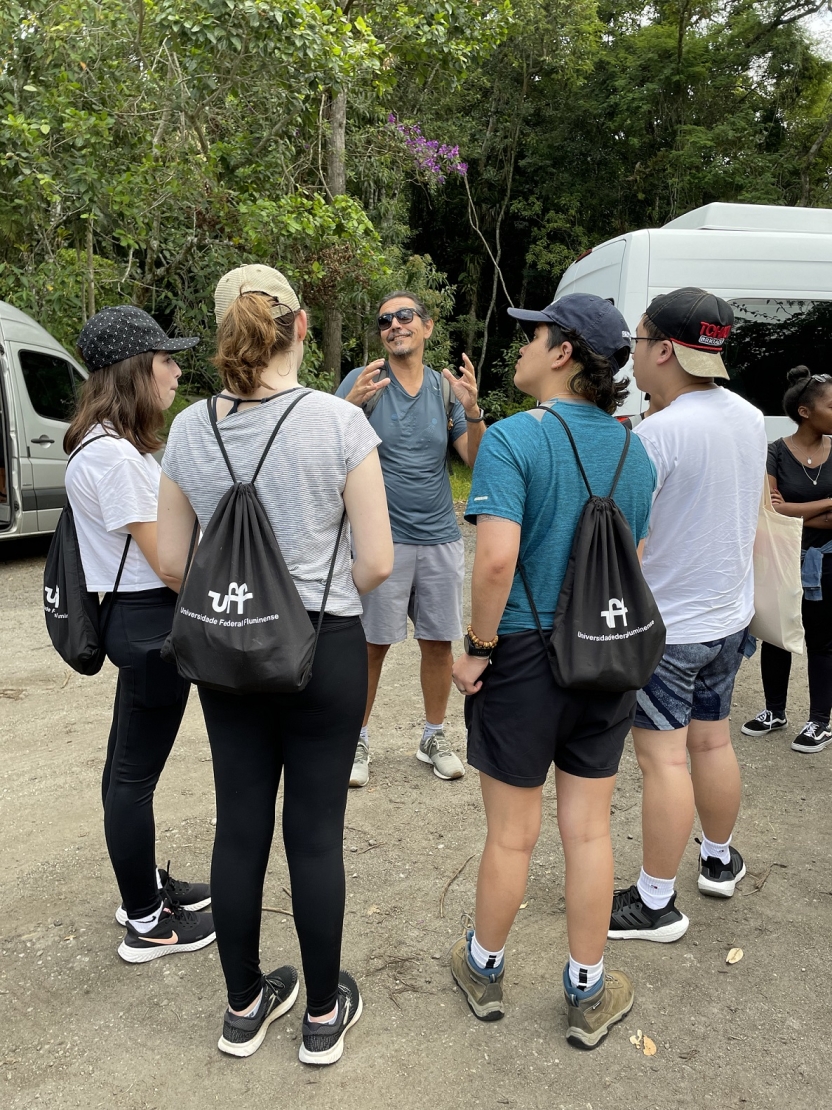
44	441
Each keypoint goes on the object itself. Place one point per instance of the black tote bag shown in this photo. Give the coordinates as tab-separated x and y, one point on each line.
607	634
74	618
240	625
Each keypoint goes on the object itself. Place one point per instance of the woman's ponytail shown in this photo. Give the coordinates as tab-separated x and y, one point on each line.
247	340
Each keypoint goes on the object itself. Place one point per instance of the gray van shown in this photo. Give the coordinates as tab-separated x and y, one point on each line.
39	383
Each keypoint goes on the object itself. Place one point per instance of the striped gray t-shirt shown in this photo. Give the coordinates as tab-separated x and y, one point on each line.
300	484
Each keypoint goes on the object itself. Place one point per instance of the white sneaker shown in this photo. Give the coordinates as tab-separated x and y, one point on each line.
361	764
435	749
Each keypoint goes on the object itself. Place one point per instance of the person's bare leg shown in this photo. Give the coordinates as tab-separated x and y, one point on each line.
584	823
513	815
667	800
435	674
375	661
715	774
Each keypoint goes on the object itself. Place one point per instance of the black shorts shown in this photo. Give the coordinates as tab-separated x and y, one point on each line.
521	721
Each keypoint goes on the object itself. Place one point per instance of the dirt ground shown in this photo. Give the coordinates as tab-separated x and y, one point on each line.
81	1029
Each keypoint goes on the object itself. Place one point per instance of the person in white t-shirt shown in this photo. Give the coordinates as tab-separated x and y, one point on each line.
112	482
709	449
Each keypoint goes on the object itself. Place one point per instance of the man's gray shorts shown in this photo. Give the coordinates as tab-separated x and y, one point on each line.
426	585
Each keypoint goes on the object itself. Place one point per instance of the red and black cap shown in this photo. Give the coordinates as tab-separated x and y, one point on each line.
699	324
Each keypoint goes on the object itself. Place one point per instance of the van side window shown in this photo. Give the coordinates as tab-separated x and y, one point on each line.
51	383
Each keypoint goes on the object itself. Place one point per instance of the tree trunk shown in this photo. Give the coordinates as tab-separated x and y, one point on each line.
90	270
336	182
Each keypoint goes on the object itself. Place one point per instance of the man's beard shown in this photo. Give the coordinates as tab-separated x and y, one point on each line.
403	351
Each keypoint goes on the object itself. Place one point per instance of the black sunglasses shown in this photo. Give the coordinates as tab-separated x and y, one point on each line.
403	315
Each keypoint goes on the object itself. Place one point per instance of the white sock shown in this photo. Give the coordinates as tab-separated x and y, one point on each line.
584	976
329	1021
655	893
429	730
251	1012
718	851
364	735
145	924
483	957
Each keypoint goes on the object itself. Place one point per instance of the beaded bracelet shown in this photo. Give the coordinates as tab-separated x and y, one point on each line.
477	642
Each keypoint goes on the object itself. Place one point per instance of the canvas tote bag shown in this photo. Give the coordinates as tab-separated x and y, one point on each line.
778	591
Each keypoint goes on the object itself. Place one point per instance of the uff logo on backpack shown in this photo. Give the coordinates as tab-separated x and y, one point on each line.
607	634
240	625
73	614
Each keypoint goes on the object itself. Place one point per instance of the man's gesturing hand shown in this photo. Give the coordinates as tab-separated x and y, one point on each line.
465	387
364	386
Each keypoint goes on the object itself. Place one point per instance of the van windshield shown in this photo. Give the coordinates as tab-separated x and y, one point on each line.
769	337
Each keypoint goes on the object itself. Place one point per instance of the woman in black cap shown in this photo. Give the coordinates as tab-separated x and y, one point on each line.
800	476
112	482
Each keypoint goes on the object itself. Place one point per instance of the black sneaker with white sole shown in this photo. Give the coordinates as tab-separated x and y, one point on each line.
177	930
632	920
813	737
763	724
324	1044
719	879
190	896
242	1036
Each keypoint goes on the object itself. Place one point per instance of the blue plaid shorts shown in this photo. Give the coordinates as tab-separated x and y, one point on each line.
692	681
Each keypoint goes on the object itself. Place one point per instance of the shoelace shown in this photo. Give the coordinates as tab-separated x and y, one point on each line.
179	913
440	743
626	897
810	729
766	717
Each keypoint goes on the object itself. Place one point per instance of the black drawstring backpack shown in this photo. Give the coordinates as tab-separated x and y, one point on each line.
75	619
608	634
240	625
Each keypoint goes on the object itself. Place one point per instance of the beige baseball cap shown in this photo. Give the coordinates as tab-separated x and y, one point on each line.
255	279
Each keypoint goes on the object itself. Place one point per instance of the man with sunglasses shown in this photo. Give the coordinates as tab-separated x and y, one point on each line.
709	449
417	413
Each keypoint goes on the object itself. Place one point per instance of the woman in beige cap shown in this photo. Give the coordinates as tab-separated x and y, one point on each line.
323	461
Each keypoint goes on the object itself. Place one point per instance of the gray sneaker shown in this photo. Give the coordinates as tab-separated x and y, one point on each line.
437	750
361	764
483	990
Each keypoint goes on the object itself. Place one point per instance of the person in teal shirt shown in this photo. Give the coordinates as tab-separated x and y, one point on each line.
526	499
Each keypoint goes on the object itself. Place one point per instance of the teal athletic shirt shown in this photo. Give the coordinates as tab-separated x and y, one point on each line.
526	472
414	443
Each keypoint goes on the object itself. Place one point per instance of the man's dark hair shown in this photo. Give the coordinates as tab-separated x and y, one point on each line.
652	332
595	378
418	304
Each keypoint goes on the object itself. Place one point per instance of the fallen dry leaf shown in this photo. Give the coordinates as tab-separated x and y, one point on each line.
649	1048
637	1039
734	956
373	909
523	905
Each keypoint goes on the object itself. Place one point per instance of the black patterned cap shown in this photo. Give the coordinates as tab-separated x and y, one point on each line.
117	333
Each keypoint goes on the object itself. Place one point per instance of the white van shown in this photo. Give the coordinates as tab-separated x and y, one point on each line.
39	382
774	266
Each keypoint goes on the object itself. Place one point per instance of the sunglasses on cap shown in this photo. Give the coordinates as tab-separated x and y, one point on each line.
403	315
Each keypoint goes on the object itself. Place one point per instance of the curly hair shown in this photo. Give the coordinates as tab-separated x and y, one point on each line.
594	380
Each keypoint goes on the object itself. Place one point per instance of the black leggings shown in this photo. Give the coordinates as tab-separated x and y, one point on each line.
776	664
311	736
150	702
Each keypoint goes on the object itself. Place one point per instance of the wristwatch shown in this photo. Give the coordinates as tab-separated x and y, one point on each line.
472	649
475	419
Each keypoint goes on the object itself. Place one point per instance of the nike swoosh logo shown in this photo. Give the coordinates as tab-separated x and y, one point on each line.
172	939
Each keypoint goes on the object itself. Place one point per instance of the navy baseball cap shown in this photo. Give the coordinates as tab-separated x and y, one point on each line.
119	332
596	321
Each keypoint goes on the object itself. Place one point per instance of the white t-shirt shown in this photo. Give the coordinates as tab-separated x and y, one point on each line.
709	449
109	485
300	486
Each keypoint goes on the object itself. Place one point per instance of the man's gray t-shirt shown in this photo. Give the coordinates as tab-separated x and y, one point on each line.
414	442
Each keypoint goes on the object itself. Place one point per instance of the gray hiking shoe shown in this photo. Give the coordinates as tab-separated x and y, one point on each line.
361	764
589	1018
436	750
483	990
